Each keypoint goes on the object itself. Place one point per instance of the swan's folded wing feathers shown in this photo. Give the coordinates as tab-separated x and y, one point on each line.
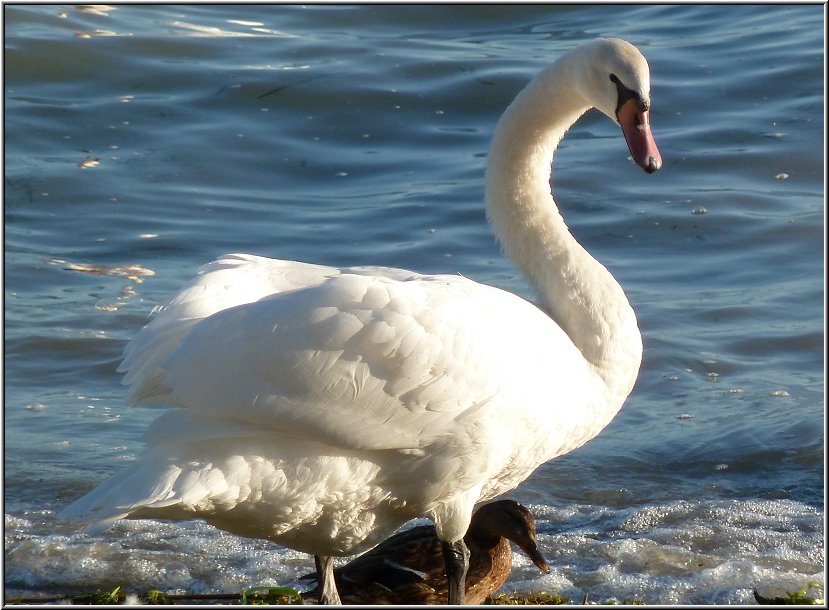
231	280
339	360
351	358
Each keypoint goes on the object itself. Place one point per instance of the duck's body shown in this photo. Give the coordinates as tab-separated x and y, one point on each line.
322	408
408	568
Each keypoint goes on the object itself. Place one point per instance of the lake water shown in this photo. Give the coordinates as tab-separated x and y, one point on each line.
144	141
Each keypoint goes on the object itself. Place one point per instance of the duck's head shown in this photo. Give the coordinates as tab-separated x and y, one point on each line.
509	519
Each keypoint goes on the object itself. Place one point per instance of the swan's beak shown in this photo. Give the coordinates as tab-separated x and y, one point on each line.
636	127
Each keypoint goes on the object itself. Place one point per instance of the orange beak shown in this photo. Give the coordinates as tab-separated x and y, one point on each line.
636	128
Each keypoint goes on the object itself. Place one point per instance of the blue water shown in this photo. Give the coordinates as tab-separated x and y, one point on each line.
144	141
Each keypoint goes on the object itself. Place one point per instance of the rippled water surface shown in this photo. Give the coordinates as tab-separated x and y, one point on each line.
143	141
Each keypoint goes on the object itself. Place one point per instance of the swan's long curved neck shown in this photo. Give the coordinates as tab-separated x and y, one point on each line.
575	289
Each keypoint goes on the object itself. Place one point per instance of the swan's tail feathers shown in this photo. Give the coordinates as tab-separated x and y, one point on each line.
123	495
91	528
93	519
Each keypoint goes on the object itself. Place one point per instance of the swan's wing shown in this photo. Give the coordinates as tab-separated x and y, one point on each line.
361	361
231	280
340	367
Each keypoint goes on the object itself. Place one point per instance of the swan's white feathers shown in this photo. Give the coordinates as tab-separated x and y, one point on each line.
358	361
231	280
322	408
368	387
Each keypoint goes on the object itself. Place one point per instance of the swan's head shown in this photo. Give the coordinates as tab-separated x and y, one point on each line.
617	82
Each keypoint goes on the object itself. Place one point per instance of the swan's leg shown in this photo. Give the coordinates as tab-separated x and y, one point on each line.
456	559
325	581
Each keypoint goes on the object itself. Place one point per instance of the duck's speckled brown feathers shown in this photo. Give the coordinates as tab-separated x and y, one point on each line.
408	568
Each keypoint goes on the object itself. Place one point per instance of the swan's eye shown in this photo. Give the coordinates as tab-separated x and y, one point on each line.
614	79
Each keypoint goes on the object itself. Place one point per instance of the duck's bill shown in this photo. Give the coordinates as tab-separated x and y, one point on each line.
538	559
636	128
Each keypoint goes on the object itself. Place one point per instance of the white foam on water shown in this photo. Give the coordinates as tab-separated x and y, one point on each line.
142	555
703	552
686	552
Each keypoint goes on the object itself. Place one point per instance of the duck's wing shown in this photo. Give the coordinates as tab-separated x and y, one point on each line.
408	557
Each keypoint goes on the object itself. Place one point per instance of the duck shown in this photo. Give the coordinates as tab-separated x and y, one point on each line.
408	568
322	408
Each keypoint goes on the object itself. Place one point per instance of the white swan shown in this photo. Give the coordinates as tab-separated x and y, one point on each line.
322	408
